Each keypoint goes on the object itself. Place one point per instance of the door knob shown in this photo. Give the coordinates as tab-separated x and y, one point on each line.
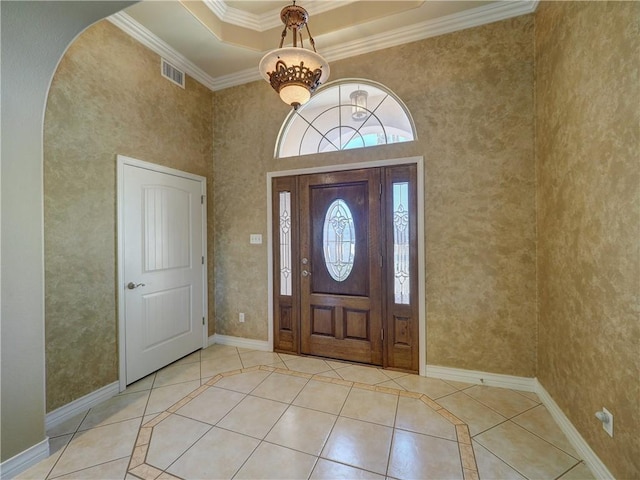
132	285
306	273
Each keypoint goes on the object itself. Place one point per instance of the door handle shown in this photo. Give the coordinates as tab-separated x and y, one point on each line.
132	285
306	273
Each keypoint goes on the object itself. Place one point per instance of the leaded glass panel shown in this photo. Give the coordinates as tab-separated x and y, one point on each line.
332	120
401	260
339	240
285	243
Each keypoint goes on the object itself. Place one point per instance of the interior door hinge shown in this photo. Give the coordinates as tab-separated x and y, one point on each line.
203	260
382	334
203	320
380	190
381	261
201	199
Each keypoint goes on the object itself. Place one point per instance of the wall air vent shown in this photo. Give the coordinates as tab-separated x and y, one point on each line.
172	74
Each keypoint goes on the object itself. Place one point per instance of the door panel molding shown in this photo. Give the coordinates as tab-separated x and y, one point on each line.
401	319
286	334
361	291
421	281
122	163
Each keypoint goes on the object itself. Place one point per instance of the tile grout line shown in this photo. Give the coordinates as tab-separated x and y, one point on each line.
263	439
466	453
500	459
172	410
443	412
495	454
571	468
64	448
246	395
165	471
149	472
204	386
87	468
542	438
335	422
496	411
393	434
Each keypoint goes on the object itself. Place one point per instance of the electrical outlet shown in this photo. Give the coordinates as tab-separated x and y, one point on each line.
608	426
241	317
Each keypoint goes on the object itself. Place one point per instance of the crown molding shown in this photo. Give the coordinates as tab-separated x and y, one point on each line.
430	28
234	79
268	20
451	23
475	17
233	16
128	25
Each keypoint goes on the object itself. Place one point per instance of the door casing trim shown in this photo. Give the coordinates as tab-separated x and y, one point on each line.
419	162
121	162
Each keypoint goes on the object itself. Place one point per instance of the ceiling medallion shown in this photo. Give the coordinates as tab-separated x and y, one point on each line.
294	72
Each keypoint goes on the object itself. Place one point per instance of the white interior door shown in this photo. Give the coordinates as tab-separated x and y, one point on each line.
163	269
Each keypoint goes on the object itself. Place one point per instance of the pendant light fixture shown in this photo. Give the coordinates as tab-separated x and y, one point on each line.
359	105
294	72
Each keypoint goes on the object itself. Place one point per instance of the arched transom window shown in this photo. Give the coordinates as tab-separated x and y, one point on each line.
345	114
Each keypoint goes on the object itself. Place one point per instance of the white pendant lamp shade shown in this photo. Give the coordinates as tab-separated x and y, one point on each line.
294	72
294	95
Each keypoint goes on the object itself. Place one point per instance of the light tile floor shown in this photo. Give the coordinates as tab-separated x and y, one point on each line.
226	412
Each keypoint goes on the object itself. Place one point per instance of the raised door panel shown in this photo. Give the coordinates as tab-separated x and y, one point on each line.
402	346
285	264
341	302
163	228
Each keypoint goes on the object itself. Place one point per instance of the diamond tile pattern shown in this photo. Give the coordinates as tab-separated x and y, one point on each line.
226	412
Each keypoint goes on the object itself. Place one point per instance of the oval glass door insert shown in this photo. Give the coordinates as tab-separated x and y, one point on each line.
339	240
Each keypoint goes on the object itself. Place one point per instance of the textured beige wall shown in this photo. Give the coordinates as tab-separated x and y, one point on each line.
107	98
471	96
34	37
587	98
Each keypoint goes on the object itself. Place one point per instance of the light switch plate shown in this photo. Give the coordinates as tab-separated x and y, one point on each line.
255	239
608	427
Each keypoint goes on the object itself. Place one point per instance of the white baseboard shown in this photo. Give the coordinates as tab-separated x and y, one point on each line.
81	404
583	449
248	343
19	463
524	384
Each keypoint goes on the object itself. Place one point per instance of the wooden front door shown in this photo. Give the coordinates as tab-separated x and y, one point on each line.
340	266
345	274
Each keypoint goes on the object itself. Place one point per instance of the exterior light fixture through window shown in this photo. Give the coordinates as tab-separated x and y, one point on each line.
359	105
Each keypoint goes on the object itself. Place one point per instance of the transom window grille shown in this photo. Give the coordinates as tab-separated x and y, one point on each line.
285	243
401	260
339	240
343	115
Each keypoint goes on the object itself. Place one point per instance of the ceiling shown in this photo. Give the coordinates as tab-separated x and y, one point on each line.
221	42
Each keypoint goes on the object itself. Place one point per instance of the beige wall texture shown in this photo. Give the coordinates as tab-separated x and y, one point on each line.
107	98
471	94
34	37
588	141
471	97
